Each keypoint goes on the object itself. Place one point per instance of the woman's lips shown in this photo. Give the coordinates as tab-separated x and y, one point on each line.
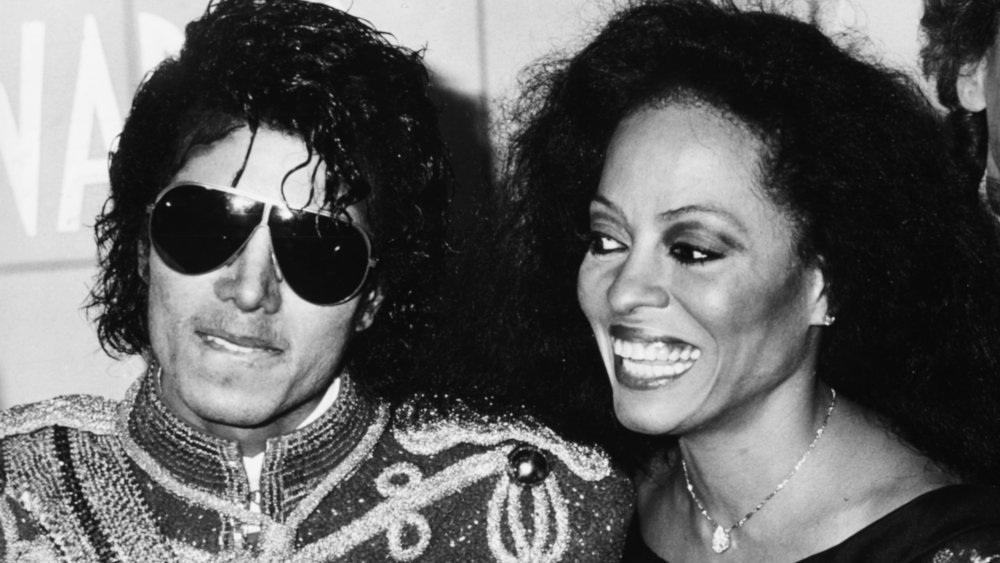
646	363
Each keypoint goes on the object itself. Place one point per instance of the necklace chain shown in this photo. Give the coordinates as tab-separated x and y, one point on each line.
721	537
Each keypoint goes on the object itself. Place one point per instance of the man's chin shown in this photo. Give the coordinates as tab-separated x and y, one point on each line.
242	416
235	415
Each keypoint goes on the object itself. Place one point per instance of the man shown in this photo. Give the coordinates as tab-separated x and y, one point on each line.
961	53
275	213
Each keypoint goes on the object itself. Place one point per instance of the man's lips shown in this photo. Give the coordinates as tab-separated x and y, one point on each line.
238	343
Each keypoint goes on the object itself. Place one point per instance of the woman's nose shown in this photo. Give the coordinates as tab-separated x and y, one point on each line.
641	281
251	281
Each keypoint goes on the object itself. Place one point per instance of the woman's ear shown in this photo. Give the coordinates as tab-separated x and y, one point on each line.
971	85
821	313
371	300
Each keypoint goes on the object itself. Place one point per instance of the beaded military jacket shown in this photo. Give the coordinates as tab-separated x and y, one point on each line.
87	479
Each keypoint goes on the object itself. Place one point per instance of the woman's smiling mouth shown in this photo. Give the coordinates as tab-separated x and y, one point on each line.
645	365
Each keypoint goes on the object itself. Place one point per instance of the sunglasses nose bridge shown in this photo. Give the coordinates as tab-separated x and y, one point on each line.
251	278
265	223
262	226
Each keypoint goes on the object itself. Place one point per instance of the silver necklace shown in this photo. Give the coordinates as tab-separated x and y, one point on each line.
721	536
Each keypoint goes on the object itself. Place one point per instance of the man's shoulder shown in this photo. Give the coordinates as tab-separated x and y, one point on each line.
463	484
462	446
430	426
85	413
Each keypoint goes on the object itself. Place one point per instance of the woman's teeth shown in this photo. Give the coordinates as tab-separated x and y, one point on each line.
655	359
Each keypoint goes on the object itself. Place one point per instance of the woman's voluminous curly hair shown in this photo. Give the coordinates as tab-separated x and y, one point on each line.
959	33
308	70
854	156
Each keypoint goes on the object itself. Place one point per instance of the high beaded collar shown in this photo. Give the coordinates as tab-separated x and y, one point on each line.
293	463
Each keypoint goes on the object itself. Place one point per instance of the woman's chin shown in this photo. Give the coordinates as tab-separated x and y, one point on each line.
644	416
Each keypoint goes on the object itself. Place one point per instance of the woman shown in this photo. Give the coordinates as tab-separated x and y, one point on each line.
789	296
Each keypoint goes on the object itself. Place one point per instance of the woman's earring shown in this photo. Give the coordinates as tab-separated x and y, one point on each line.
828	320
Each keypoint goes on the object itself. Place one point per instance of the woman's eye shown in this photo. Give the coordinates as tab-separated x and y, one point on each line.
603	244
690	254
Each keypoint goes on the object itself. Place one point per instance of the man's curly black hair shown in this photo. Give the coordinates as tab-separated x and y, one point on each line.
358	101
958	33
854	155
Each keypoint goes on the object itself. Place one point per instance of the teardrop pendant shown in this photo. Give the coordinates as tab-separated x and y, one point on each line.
720	540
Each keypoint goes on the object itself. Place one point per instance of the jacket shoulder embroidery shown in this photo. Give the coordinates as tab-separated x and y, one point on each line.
427	430
527	515
81	412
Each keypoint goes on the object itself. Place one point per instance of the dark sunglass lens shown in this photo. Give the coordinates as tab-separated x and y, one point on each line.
324	261
197	229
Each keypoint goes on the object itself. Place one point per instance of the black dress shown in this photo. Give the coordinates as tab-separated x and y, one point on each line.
953	524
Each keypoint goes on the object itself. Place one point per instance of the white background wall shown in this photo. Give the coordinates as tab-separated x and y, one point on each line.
67	71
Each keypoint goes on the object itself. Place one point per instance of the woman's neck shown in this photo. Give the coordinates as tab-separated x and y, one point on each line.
857	472
736	463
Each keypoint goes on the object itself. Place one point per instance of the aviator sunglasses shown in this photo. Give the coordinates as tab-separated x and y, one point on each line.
197	228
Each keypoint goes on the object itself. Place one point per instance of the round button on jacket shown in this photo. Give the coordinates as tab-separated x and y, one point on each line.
527	465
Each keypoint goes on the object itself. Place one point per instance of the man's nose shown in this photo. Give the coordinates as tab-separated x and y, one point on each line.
251	280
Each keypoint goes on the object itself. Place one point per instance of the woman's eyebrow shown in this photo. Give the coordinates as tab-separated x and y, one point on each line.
598	198
677	213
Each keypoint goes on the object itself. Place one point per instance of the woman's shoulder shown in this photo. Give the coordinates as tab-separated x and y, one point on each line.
951	524
636	550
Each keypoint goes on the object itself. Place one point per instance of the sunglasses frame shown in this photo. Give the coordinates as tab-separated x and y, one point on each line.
269	203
